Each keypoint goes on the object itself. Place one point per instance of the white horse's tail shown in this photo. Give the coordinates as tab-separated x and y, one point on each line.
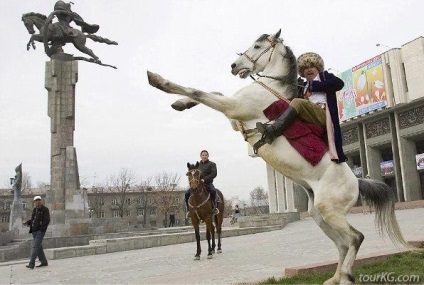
382	198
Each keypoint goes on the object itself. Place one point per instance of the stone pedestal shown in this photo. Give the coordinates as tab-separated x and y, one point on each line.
17	217
65	198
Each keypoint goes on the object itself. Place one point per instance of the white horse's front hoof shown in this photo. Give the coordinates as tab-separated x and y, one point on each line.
197	258
219	251
210	256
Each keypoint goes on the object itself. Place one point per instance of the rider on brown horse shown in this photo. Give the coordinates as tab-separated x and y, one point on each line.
209	172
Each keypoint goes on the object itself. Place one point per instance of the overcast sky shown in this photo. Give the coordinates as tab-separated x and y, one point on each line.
123	122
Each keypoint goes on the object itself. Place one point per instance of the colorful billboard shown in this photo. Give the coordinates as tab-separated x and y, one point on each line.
420	161
387	168
364	89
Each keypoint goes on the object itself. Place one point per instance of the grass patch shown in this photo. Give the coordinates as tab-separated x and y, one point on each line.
406	268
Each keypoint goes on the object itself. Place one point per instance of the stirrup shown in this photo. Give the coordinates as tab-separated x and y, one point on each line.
261	127
267	136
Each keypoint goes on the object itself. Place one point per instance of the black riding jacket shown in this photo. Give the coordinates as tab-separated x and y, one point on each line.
208	170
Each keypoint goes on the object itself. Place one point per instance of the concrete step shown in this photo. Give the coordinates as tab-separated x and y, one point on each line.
15	250
103	246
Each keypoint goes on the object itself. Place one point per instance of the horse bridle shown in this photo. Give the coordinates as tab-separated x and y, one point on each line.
193	171
271	46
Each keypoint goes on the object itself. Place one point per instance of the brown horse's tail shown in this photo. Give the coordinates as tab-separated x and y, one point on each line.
382	198
221	206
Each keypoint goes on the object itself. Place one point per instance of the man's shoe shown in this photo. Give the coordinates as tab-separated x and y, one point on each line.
30	266
43	264
215	211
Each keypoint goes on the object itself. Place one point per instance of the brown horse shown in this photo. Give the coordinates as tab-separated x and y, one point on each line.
200	207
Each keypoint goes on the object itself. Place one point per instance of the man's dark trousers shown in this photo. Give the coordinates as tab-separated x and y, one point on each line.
37	248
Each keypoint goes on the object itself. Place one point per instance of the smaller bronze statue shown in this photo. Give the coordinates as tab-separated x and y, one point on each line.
17	183
58	34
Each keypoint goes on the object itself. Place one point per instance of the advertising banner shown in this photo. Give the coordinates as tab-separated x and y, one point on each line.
364	89
387	168
357	170
420	161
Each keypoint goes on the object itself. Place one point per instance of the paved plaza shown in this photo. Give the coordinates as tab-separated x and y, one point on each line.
245	258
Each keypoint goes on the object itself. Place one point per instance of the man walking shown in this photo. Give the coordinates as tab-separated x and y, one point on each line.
38	224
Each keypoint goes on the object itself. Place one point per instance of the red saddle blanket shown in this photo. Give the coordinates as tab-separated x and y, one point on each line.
308	139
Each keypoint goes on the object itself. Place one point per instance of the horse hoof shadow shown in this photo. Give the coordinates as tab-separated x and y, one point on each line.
210	256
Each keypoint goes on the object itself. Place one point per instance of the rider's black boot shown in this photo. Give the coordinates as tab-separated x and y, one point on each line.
271	132
215	210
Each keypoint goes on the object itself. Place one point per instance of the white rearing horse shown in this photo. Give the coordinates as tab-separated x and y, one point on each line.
332	188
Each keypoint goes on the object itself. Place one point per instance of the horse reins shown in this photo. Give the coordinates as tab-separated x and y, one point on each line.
195	207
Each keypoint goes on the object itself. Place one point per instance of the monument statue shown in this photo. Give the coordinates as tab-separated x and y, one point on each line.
58	34
17	183
17	213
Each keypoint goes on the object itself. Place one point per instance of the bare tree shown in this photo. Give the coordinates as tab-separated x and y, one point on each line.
228	208
258	200
166	200
43	185
145	188
97	201
26	182
119	185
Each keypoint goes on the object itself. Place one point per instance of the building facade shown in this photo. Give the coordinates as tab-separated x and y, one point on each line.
144	208
140	208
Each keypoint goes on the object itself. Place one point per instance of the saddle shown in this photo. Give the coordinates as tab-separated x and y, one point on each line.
309	140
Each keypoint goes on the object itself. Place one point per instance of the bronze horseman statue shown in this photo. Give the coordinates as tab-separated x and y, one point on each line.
56	35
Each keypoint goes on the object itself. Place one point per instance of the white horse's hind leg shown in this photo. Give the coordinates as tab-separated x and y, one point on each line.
331	233
357	239
348	240
332	220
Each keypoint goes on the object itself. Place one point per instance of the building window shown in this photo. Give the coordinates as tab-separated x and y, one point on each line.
4	219
115	201
6	205
139	201
151	201
128	201
102	215
24	205
102	201
115	214
152	212
128	213
89	203
140	212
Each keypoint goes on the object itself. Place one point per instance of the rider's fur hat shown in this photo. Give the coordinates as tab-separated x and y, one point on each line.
309	59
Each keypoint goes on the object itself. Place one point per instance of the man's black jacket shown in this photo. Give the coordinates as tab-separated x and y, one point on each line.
40	219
